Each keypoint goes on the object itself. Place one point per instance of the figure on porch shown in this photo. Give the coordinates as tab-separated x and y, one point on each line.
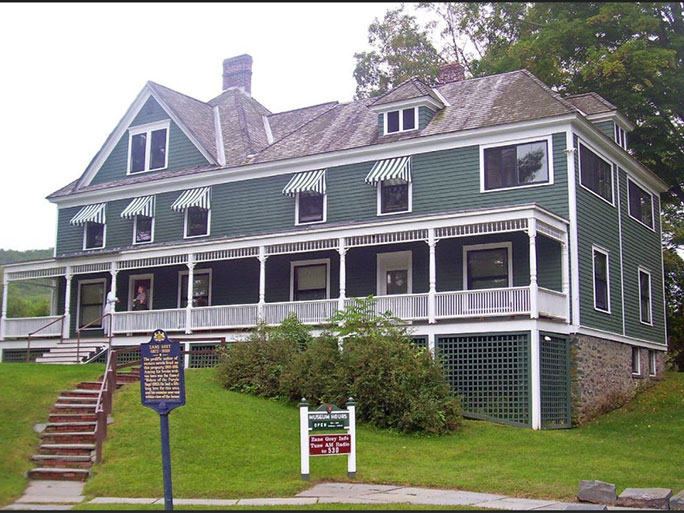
140	301
110	303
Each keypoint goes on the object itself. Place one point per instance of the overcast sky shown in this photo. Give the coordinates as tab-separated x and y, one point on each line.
69	72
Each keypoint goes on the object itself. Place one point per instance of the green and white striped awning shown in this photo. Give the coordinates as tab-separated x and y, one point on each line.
309	181
192	198
90	214
390	169
143	206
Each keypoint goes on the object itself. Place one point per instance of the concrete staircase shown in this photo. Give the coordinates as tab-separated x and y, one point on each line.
67	352
67	445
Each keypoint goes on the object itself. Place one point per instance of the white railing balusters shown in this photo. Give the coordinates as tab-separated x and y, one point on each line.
22	326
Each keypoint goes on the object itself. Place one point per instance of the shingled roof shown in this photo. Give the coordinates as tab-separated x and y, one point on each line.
505	98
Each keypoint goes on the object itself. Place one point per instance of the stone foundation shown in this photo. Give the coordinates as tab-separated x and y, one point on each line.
602	378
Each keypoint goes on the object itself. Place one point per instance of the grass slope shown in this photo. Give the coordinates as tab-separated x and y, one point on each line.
228	445
28	392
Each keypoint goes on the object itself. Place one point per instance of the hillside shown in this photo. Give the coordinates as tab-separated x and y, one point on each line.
26	299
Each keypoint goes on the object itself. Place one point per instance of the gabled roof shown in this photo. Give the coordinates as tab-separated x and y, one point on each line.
407	90
591	103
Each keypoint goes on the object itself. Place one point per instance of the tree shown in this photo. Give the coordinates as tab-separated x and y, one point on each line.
400	49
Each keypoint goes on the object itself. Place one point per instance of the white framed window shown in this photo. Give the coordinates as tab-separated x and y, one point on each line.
601	274
640	204
143	229
402	120
148	147
197	222
140	292
394	273
394	197
596	174
90	301
94	235
488	266
651	362
519	163
201	288
310	279
636	361
310	208
620	136
645	304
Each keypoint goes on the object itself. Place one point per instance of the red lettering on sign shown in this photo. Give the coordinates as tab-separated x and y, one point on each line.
329	445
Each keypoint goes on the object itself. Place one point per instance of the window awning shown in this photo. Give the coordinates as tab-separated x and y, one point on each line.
143	206
90	214
309	181
192	198
390	169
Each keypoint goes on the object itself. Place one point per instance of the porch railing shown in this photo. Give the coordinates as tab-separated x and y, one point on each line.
149	320
308	312
22	326
225	316
553	303
478	303
410	307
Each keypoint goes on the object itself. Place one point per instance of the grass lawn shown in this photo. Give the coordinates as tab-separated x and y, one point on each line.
228	445
28	392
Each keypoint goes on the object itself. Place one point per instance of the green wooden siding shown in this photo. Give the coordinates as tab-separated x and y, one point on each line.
598	224
443	181
381	124
607	127
425	115
182	152
641	246
549	263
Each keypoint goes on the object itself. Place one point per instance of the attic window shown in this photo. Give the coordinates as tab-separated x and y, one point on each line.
400	120
620	137
148	147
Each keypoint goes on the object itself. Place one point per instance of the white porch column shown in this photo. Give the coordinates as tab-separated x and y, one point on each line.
113	271
342	250
262	281
432	292
565	276
190	292
535	376
3	316
534	288
67	303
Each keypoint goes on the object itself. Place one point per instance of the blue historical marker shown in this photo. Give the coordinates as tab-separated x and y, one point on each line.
162	388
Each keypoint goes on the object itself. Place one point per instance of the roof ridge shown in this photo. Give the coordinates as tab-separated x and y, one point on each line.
244	131
155	84
549	91
336	102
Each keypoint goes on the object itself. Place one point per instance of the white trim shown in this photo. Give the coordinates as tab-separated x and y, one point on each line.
325	211
629	203
135	230
613	116
571	156
420	101
220	149
632	341
132	293
185	224
511	142
621	253
148	128
317	261
267	128
636	350
78	298
640	270
612	172
379	211
394	261
441	97
85	236
493	245
195	273
598	249
401	120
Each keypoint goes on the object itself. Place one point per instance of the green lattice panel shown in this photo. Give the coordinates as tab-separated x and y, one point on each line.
421	342
132	356
555	382
491	373
198	361
19	355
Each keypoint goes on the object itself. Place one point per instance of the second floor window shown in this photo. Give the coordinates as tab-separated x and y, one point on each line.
196	222
148	147
640	204
644	296
143	229
601	282
596	174
516	165
310	207
94	235
394	196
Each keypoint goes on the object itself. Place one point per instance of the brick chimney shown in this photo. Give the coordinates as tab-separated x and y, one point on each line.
237	72
452	72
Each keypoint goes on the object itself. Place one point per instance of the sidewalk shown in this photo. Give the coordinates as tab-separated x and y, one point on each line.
50	495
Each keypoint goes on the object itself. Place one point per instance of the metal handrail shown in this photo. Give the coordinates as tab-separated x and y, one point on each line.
103	405
28	338
109	334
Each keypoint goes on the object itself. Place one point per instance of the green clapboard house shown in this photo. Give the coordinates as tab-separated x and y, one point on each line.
511	226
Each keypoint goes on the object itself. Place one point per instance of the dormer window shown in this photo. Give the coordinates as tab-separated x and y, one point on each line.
401	120
148	147
620	137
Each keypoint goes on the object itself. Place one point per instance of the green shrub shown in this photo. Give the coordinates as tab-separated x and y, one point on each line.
255	367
